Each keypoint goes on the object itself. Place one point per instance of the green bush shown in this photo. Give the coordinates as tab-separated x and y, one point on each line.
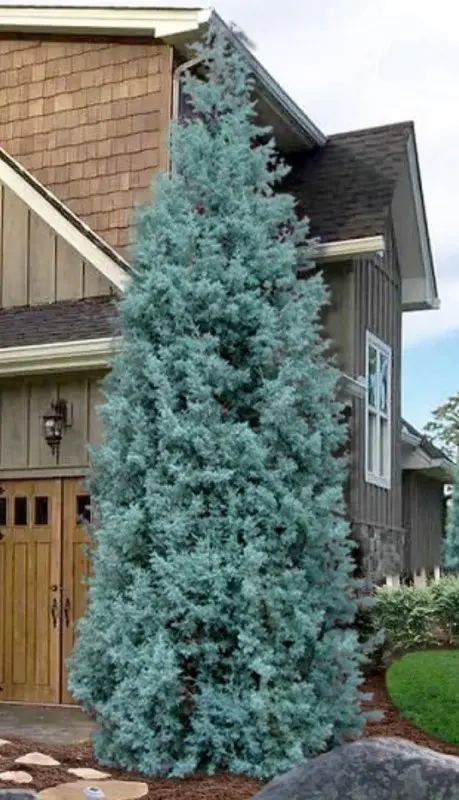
407	617
414	618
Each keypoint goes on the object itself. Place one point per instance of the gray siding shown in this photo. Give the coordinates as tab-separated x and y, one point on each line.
424	521
367	296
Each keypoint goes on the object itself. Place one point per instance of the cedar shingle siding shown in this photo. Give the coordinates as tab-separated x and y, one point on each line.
89	119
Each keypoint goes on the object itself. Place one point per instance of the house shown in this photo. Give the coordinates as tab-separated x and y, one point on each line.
86	97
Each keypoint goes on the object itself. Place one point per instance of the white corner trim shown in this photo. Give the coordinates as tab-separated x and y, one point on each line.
350	248
102	20
37	359
88	250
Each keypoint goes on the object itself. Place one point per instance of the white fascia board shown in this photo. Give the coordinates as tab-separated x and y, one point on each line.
102	20
350	248
85	354
431	298
410	439
61	225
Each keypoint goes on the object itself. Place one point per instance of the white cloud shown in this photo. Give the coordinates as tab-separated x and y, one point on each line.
354	63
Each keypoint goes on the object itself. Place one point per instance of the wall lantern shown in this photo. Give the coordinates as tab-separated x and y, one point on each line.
55	421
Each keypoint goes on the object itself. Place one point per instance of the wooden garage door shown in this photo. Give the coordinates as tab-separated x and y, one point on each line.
30	571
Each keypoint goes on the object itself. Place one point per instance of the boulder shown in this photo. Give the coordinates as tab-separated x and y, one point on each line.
370	769
17	794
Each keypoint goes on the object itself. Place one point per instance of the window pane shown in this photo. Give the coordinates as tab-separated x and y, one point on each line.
384	449
372	443
3	511
372	376
384	384
41	511
20	511
83	510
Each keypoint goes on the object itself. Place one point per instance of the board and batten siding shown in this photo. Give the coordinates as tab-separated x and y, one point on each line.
22	405
36	265
376	512
424	521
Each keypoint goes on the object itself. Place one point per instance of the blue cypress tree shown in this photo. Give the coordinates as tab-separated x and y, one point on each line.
219	631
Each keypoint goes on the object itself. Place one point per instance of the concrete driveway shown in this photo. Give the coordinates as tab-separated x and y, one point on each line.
52	725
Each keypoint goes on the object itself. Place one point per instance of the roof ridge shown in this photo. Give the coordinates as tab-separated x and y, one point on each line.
407	125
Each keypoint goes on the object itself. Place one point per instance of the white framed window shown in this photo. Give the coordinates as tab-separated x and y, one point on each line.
378	411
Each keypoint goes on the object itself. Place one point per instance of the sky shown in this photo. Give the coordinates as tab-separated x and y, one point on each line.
357	63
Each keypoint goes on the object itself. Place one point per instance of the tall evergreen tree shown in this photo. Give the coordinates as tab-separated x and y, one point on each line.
219	630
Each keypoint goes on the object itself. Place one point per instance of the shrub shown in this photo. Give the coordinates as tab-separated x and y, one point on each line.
407	615
412	618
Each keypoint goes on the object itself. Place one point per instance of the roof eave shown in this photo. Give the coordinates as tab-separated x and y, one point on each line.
291	112
428	298
168	24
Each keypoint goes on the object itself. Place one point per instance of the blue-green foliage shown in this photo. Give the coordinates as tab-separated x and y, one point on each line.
451	543
218	633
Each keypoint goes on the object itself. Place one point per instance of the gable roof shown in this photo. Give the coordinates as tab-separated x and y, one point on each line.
62	321
63	221
346	187
355	184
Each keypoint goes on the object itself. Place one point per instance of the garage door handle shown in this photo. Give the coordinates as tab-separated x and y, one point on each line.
54	612
67	612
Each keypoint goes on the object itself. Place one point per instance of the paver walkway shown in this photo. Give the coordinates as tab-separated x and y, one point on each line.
53	725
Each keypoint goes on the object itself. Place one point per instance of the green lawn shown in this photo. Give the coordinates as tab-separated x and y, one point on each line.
425	688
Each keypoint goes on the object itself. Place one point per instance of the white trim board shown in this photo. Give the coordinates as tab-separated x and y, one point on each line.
35	196
38	359
351	248
103	20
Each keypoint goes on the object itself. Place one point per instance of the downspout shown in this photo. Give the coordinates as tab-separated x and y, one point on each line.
178	72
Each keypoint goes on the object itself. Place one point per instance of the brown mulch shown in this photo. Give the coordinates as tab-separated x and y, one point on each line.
201	787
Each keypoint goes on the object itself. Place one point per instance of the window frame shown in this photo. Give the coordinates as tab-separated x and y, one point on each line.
382	481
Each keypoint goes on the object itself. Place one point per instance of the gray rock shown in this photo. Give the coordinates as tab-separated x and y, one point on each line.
370	769
17	794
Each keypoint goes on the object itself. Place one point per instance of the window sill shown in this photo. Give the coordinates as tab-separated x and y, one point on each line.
381	483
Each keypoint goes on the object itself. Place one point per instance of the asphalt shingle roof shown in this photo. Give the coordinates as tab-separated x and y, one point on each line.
346	187
64	321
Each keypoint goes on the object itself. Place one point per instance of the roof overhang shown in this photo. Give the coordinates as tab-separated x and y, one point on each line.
415	457
350	248
179	27
58	357
100	20
419	285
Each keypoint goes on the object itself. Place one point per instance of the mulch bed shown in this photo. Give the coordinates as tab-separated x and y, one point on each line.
201	787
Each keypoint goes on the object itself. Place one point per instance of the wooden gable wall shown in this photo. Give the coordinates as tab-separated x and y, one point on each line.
36	265
89	118
22	405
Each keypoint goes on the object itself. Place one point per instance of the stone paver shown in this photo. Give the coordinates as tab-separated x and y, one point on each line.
42	725
38	759
113	790
88	774
16	776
